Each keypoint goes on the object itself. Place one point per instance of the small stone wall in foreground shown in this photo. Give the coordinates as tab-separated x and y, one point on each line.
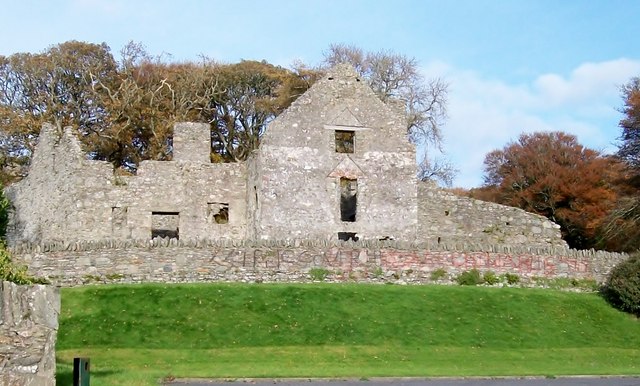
201	261
28	331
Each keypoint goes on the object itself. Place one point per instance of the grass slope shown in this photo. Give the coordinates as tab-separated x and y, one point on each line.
137	334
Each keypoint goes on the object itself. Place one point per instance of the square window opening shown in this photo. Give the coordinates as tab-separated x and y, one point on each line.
165	225
345	141
218	212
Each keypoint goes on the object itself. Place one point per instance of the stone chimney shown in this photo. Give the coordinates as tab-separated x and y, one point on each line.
192	142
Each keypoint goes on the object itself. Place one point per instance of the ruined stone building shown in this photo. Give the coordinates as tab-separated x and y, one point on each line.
336	165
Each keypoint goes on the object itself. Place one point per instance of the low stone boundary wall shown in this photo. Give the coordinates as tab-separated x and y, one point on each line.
177	261
28	332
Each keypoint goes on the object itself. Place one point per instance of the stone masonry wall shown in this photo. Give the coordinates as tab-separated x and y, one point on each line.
446	218
195	192
201	261
63	194
28	331
67	197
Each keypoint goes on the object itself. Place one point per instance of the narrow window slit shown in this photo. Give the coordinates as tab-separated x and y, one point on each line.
348	199
118	220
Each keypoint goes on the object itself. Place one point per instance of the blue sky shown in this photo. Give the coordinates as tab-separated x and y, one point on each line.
512	66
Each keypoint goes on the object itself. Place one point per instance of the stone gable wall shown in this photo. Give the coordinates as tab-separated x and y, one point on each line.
203	261
28	332
63	193
300	167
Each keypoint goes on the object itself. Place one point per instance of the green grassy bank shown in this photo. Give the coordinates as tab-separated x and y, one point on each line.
138	334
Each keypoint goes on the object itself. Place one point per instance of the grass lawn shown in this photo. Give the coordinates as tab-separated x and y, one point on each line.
139	334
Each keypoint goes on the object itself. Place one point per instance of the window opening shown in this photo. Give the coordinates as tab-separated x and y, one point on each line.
218	212
348	199
345	141
348	236
165	224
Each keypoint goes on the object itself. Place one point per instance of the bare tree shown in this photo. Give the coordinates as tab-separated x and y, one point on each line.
395	76
438	169
621	229
53	86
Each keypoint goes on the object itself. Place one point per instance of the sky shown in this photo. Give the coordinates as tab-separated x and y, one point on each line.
512	66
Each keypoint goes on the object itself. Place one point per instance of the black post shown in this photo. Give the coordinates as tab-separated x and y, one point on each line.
81	371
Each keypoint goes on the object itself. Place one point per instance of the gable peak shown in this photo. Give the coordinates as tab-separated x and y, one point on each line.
344	72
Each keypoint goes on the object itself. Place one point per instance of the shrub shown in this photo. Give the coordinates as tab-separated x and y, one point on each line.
10	272
318	274
622	288
490	278
438	274
469	278
512	278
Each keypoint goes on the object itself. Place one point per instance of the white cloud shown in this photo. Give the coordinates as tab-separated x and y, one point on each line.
485	114
588	81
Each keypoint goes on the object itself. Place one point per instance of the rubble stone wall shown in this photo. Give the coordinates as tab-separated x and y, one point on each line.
447	218
28	332
202	261
67	197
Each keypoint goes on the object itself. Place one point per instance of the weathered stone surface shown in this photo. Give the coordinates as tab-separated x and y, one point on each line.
68	198
28	331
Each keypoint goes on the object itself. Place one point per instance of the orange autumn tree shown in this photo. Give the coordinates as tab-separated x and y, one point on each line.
551	174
